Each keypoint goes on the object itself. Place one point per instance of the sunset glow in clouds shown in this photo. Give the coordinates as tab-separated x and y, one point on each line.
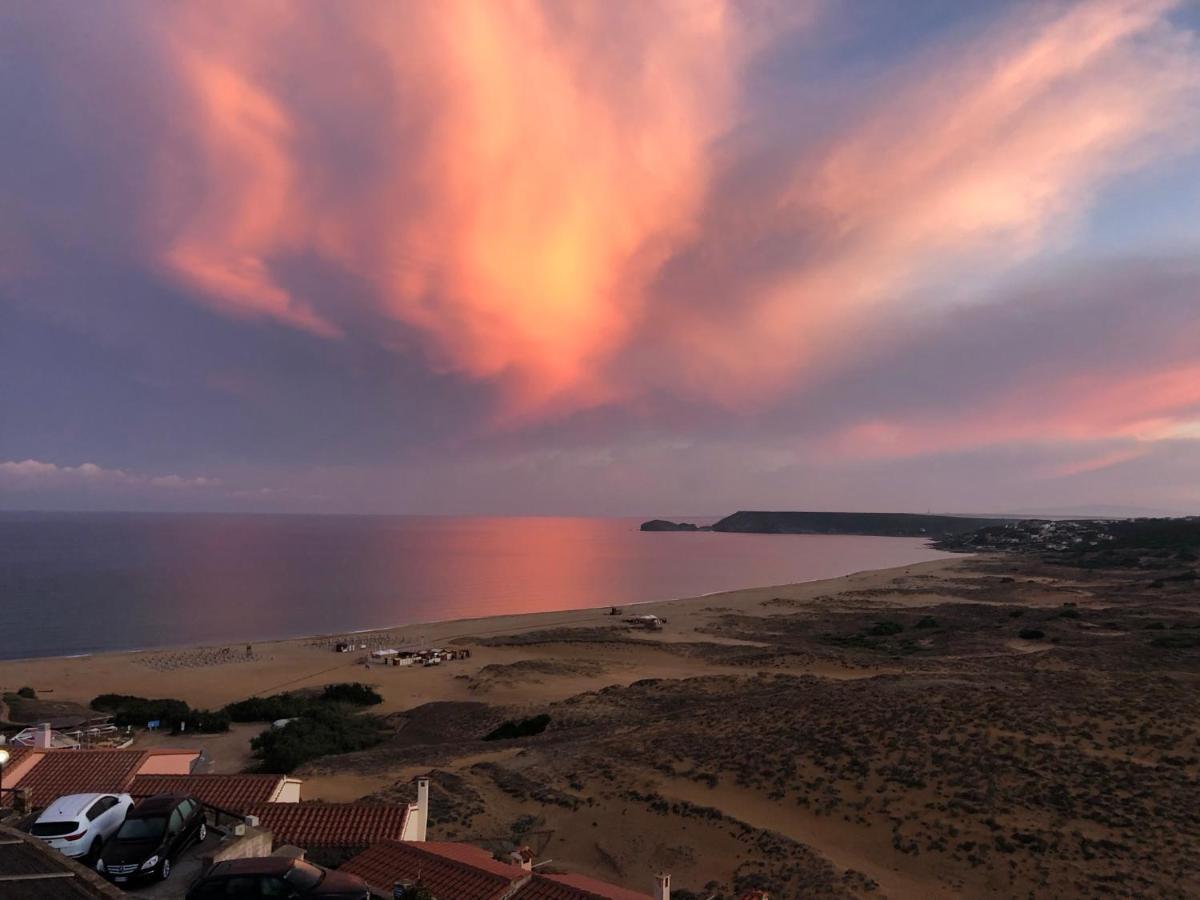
391	253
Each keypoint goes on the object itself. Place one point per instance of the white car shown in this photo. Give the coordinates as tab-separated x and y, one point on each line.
78	825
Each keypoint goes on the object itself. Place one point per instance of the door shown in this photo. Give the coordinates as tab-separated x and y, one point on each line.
106	816
176	834
193	815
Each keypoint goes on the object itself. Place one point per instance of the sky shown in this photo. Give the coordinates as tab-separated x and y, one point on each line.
674	257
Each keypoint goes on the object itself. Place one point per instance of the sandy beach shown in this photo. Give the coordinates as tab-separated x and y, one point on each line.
212	676
890	733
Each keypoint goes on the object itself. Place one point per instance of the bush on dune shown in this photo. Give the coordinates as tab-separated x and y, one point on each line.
293	705
320	732
128	710
268	709
524	728
355	693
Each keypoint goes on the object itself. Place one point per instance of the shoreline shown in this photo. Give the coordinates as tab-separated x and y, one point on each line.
438	623
79	677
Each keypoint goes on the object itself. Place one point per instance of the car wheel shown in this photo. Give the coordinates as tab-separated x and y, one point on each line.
202	833
164	870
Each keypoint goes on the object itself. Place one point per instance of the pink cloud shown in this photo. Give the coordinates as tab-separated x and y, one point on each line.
975	160
1043	408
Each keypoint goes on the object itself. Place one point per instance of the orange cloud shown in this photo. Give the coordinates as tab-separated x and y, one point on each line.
552	158
518	174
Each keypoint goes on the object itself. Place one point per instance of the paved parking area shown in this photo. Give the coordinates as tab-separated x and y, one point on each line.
184	871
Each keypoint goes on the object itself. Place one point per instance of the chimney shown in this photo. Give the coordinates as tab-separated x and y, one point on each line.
422	806
662	886
523	857
43	738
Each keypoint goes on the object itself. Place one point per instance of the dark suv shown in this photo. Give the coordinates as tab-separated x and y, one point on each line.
276	876
154	833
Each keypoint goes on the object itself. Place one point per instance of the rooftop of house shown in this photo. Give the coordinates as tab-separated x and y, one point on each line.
460	871
48	774
330	825
466	872
31	870
230	793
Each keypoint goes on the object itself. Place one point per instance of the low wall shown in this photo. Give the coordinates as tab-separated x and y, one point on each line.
254	843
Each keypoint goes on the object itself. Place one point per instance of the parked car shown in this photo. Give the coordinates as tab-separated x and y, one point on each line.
276	876
153	835
78	825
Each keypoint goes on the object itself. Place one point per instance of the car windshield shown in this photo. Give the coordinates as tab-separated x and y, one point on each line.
303	875
141	829
53	829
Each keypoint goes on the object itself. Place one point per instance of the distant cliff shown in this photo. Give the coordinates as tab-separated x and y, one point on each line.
882	524
664	525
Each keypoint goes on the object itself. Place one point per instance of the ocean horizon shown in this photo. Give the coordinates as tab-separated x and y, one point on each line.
76	583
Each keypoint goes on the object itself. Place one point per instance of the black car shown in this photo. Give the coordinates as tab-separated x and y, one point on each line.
276	876
154	833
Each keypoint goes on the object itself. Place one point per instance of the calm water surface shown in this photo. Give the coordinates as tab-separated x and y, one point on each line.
79	583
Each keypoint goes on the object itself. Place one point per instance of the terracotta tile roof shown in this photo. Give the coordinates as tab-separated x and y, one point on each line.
330	825
457	871
574	887
58	772
231	793
61	772
16	752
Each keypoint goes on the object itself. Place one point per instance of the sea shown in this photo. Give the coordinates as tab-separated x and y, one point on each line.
80	583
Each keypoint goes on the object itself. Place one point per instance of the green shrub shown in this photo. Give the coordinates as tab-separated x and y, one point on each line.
268	709
355	693
28	693
130	710
323	730
885	629
524	728
927	622
1031	634
292	706
1068	613
205	721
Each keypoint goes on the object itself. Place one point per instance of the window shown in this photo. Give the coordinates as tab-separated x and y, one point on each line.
176	825
186	807
140	829
100	807
275	887
54	829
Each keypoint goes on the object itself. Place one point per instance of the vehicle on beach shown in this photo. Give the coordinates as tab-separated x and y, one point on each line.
78	825
154	833
276	876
